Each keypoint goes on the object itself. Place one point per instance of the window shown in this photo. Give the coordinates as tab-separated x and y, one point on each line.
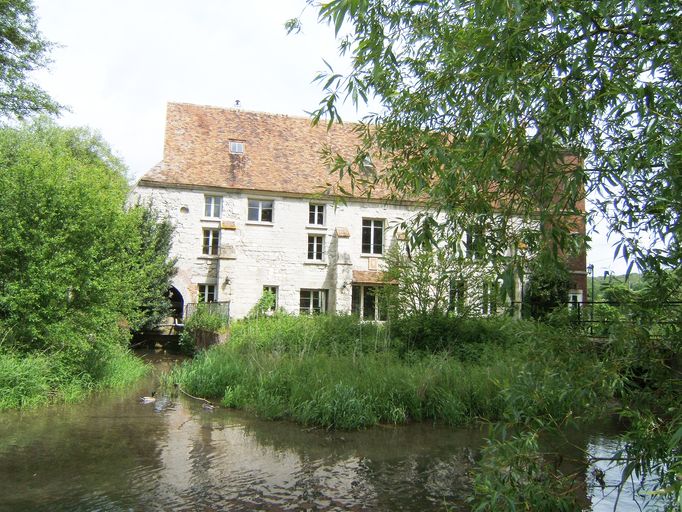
372	236
272	290
236	147
260	210
206	293
315	246
457	296
212	206
475	242
316	214
211	241
490	292
575	299
313	302
367	303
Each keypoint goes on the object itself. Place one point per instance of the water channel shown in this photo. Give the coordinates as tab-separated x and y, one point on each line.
112	453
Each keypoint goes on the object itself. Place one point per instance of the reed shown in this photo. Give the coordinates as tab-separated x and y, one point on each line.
30	380
337	372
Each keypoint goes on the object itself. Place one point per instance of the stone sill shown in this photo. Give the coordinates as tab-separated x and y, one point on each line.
316	263
258	223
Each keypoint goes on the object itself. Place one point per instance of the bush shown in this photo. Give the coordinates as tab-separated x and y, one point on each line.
457	335
203	320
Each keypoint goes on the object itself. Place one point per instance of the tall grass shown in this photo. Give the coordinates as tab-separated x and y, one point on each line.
29	380
338	372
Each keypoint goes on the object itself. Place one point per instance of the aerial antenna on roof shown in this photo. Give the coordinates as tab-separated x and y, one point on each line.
237	104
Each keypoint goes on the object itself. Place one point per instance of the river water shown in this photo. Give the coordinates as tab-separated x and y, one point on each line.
112	453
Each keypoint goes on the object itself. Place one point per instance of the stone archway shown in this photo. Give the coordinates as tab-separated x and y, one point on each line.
177	304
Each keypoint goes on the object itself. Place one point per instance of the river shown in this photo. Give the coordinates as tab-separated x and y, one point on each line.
112	453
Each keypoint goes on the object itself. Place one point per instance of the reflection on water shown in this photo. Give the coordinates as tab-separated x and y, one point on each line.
634	495
113	453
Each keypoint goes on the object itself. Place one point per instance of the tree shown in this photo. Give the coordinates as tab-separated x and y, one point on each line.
500	111
22	50
78	269
482	102
548	285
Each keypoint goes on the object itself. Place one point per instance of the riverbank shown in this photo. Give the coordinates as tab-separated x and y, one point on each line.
34	379
524	378
337	372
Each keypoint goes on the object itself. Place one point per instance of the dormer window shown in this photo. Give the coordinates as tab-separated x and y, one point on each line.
367	166
236	147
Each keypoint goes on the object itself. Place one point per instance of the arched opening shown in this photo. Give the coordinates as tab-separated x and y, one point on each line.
177	304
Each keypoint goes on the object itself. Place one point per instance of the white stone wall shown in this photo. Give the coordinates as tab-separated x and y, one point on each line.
275	254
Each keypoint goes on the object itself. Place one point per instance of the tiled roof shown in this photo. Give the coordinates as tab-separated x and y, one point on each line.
281	154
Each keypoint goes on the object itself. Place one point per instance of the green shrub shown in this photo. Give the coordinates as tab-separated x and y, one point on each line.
460	336
513	475
204	319
24	380
29	380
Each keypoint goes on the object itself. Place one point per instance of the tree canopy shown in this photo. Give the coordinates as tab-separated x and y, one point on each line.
22	50
483	101
78	268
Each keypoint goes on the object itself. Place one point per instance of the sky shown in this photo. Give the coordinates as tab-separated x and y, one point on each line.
119	62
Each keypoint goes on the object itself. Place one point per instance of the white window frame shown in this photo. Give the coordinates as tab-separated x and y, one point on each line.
258	203
213	206
210	241
489	297
578	296
315	210
236	147
358	302
205	292
373	225
457	296
315	247
312	295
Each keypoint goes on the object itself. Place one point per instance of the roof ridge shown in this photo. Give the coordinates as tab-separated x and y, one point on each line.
247	111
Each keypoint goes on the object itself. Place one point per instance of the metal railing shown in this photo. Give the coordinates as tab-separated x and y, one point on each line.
598	316
221	308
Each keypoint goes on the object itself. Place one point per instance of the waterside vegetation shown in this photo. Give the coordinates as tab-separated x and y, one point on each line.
79	267
522	376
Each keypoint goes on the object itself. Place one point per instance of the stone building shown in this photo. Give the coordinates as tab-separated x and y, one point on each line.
254	209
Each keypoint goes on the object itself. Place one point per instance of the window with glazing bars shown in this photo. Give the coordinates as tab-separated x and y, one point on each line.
206	293
313	302
372	236
212	206
260	210
211	241
315	247
316	214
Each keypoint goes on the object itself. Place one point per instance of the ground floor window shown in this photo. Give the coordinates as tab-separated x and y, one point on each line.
490	294
575	299
313	302
272	290
457	296
367	302
206	293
